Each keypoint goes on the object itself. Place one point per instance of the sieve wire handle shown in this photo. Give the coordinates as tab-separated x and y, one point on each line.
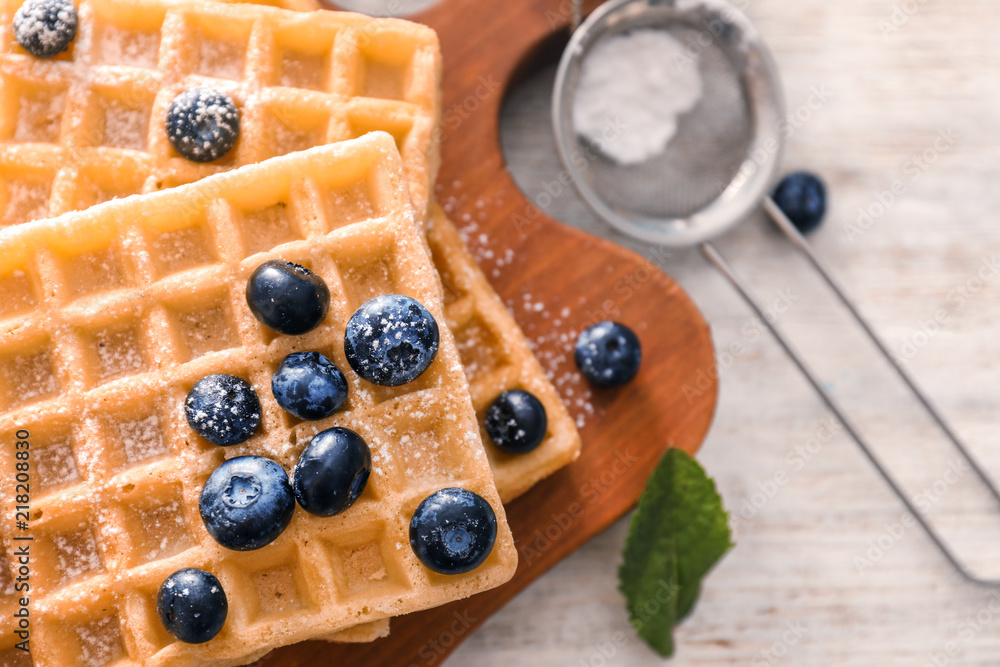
726	269
799	242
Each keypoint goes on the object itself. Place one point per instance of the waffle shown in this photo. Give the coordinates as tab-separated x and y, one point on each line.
111	315
496	357
87	125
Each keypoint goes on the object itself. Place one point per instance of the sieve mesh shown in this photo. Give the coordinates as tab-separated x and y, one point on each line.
705	154
726	150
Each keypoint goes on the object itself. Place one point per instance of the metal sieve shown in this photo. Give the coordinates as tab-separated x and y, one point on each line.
726	151
716	171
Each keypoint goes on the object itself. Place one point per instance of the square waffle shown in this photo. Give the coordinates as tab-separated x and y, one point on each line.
113	313
88	125
116	39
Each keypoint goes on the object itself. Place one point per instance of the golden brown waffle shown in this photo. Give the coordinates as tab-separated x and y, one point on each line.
496	357
111	315
100	28
88	125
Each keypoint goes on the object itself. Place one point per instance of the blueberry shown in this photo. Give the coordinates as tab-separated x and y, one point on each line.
453	531
801	196
223	409
287	297
391	340
203	124
192	605
516	422
309	386
608	354
45	28
332	472
246	503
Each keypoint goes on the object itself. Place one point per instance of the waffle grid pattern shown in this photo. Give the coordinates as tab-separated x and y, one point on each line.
87	126
115	498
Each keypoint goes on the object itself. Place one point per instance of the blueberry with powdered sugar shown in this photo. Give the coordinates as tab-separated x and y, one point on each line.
223	409
192	605
203	124
391	340
45	28
608	354
516	422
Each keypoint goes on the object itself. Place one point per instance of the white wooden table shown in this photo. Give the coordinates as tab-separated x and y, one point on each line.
825	572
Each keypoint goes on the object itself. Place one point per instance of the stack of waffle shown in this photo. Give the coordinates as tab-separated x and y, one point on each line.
113	307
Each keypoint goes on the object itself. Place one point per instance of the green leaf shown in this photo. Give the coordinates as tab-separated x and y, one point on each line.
677	534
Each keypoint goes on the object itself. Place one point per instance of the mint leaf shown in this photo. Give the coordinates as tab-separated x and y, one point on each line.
678	533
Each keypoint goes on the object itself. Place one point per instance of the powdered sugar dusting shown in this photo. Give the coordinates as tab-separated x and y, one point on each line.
125	127
100	642
55	464
132	48
166	531
142	438
118	353
288	140
632	89
26	201
302	70
30	377
553	342
76	554
39	116
222	59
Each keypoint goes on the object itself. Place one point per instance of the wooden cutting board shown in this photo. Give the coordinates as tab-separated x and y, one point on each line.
558	280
